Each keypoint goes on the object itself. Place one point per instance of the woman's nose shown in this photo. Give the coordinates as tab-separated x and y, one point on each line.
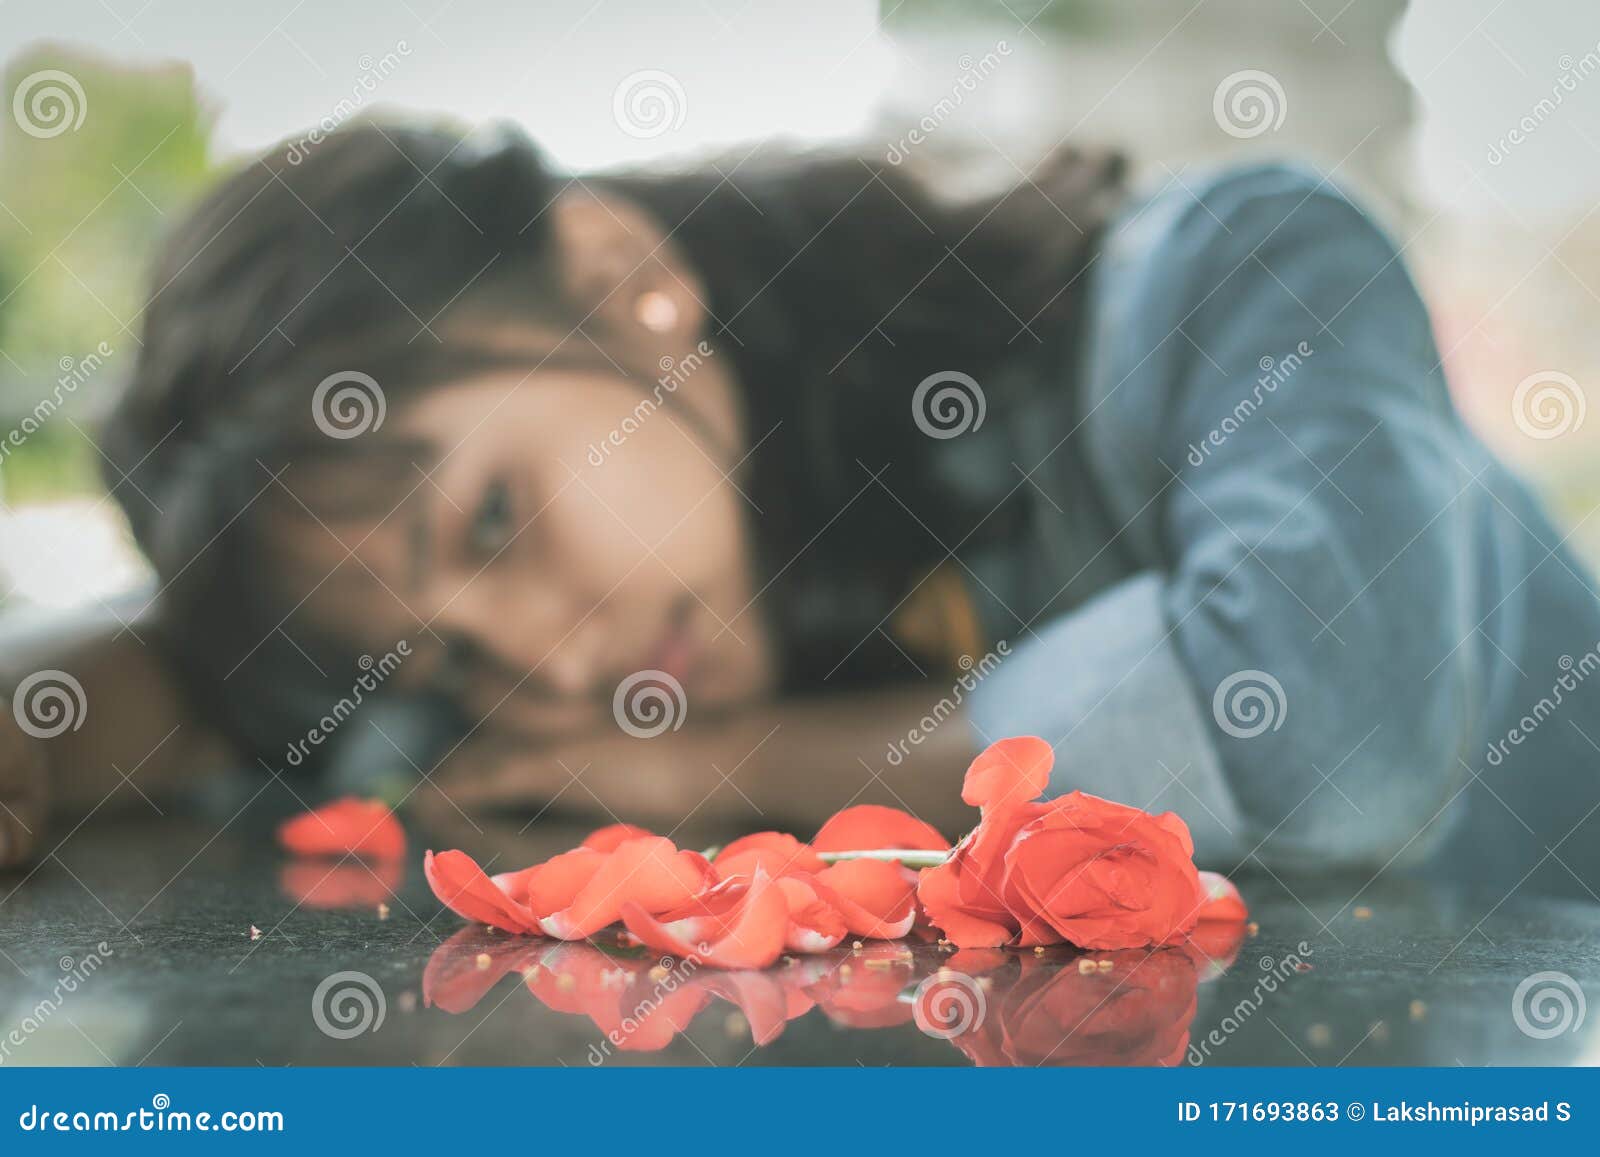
567	670
535	637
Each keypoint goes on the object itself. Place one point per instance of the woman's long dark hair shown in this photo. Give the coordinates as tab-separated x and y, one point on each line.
836	285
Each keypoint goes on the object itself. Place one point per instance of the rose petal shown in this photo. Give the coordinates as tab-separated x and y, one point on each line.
873	896
754	928
649	872
709	914
964	896
869	825
814	924
1173	823
361	827
1220	900
1008	773
778	853
462	887
608	838
554	884
940	893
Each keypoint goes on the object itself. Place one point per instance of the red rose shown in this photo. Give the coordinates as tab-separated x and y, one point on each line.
1101	875
963	896
1078	869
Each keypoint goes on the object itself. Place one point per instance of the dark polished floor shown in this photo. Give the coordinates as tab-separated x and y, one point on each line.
132	943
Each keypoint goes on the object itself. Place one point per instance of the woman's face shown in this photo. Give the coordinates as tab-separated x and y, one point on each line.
575	527
575	522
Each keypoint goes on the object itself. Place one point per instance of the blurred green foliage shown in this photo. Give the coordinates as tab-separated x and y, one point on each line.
1043	17
80	211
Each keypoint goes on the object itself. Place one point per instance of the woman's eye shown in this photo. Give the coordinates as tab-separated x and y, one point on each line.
491	525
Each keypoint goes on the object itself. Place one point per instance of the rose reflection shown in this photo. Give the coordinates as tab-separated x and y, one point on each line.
997	1007
1136	1012
330	884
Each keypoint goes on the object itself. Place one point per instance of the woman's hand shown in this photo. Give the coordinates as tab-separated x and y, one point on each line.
786	765
131	713
608	773
22	791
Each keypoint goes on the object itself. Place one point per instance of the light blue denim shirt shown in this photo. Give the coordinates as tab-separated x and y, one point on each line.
1278	587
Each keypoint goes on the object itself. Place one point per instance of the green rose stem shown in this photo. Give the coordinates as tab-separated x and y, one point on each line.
910	857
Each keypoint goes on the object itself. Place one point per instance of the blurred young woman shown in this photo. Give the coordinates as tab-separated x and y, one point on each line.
842	478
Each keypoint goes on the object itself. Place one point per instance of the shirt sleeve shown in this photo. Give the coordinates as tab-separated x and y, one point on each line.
1287	673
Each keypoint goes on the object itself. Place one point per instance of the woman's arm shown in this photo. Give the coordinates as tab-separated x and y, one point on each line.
787	765
1273	429
64	753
